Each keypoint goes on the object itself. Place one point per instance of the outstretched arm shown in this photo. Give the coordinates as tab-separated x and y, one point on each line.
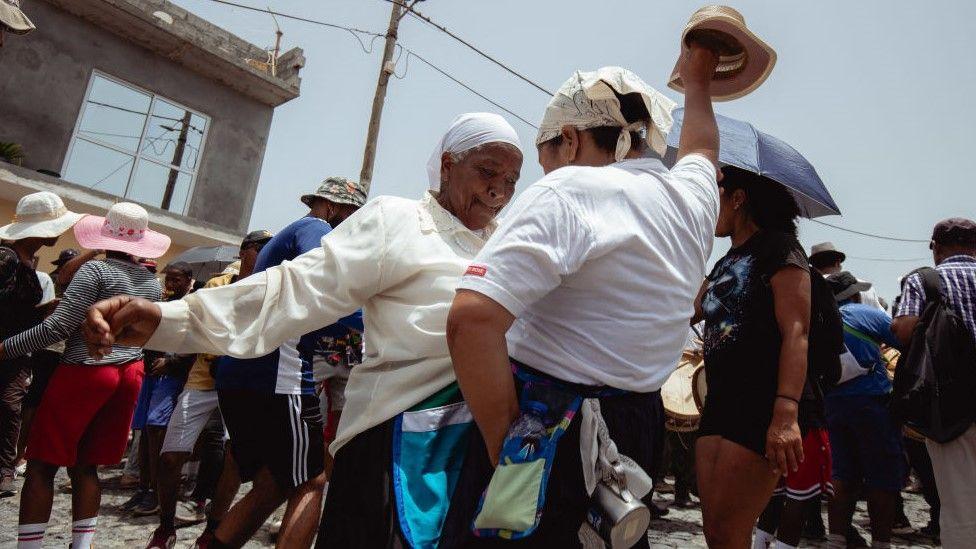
253	316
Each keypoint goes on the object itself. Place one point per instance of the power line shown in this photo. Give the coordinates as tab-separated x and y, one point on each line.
889	259
297	18
409	52
465	86
416	14
872	235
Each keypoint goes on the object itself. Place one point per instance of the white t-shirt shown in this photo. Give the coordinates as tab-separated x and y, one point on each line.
601	267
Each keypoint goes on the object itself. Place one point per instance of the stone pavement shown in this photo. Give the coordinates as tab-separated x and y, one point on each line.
681	528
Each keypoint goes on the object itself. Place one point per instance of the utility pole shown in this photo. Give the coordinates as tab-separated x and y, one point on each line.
177	161
386	69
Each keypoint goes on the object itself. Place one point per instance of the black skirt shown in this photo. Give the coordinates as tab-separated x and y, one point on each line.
636	424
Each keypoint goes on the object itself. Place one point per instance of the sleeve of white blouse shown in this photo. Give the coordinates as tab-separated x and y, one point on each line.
542	239
253	316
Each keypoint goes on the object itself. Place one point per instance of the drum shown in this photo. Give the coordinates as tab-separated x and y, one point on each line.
699	388
680	409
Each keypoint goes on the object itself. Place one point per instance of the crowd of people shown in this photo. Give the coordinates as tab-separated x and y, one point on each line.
417	373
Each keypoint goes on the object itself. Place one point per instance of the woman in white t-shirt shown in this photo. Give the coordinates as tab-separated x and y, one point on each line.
592	276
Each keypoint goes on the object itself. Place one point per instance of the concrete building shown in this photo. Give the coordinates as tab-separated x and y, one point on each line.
140	100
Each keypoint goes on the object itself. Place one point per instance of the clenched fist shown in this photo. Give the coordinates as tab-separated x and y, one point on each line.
122	320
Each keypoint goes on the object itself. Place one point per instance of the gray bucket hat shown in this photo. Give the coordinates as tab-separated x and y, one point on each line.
12	19
340	190
827	251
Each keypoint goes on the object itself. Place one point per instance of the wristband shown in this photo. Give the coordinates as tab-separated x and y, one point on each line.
789	398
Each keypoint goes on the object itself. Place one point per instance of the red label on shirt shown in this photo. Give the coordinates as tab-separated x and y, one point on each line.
477	270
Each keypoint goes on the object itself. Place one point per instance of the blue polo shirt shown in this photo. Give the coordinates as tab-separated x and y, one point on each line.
287	370
876	324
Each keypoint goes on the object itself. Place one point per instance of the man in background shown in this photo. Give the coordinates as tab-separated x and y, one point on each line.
953	247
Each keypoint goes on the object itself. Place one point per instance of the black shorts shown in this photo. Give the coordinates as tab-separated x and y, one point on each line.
743	419
42	364
280	432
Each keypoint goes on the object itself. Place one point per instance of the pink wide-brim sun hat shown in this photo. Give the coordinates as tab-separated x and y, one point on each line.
125	228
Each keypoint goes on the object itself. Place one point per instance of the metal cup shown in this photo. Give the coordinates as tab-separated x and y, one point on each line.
619	517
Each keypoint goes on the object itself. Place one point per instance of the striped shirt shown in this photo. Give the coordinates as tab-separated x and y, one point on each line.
94	281
959	281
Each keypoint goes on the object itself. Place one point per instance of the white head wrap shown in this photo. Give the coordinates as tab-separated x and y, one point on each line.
589	100
467	132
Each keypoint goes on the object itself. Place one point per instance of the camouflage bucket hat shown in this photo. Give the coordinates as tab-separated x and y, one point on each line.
340	190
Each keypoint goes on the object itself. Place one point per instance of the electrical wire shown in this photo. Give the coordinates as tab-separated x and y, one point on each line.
417	15
872	235
410	53
465	86
890	259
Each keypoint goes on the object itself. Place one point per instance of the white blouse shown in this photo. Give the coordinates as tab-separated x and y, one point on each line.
399	260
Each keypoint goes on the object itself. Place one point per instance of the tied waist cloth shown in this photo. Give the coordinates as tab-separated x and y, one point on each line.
635	422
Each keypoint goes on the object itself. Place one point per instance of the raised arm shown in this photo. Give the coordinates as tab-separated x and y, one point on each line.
699	132
252	317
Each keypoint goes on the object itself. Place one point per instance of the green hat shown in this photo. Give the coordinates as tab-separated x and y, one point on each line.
340	190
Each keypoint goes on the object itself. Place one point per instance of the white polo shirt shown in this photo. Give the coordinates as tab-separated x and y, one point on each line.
601	267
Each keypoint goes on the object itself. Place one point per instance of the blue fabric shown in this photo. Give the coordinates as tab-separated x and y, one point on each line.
865	443
876	324
157	400
742	145
262	373
426	468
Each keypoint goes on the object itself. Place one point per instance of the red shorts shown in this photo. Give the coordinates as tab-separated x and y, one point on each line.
85	414
813	477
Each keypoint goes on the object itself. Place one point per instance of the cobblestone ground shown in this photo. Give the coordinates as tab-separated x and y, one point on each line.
680	528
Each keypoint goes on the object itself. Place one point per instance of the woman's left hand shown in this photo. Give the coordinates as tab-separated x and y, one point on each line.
784	443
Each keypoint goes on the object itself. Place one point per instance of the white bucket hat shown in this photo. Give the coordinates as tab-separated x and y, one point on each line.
39	215
12	19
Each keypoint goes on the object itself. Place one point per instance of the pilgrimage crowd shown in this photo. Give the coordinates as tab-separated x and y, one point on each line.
417	373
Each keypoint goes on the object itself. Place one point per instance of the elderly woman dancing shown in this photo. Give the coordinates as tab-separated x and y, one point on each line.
400	260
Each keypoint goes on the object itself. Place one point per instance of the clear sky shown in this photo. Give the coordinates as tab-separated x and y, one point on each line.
876	94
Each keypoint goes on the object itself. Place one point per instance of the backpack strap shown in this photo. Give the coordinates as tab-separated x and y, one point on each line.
931	283
860	335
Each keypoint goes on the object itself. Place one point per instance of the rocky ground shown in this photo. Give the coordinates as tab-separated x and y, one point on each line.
680	528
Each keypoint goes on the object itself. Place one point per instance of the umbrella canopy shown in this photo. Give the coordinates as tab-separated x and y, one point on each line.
743	146
208	260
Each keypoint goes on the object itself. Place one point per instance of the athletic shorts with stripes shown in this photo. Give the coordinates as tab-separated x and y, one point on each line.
282	433
812	478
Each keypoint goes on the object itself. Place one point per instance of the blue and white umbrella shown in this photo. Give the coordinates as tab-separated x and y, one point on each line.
743	146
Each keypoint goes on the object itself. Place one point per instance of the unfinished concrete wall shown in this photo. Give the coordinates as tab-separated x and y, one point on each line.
43	79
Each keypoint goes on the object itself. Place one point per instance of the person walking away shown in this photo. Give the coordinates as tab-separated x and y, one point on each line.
400	260
589	276
953	247
84	416
163	383
39	220
865	441
193	409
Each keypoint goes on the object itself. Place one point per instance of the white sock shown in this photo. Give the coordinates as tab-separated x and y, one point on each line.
30	536
782	545
83	532
762	539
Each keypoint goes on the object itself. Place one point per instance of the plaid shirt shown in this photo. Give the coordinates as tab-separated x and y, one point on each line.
959	280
